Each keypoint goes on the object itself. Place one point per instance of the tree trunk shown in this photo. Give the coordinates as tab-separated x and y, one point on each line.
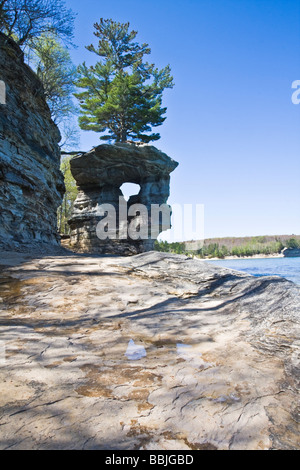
123	130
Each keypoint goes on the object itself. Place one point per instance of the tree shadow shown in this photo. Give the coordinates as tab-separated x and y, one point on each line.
68	383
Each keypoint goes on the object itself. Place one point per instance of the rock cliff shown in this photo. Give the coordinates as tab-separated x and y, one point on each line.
99	174
31	184
291	252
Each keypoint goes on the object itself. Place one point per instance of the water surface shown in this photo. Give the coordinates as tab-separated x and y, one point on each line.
289	268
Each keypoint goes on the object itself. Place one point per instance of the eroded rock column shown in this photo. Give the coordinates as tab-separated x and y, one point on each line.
99	175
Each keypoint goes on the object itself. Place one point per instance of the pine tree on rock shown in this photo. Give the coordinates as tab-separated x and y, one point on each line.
122	93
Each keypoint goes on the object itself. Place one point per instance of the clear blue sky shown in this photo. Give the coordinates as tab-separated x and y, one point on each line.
231	123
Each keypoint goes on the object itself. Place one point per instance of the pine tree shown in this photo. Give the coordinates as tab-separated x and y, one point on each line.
122	93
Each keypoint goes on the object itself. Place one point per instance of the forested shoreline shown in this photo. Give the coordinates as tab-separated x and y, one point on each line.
234	246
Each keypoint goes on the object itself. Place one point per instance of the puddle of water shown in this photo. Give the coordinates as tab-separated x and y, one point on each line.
134	351
227	399
10	288
192	355
184	350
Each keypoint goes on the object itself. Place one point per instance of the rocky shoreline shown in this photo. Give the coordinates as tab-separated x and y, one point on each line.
219	367
279	255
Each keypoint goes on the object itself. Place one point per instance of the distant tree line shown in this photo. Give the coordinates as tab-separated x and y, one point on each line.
293	243
255	246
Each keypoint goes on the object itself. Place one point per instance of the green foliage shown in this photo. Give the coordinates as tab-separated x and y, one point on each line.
214	250
65	210
122	93
41	27
292	243
260	239
176	247
56	71
53	65
257	249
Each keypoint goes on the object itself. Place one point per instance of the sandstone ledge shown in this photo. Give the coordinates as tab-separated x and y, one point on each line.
221	368
31	183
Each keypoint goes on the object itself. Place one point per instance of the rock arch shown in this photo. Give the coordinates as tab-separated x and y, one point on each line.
100	174
130	191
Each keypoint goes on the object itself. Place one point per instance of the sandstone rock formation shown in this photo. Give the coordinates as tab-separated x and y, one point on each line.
155	351
291	252
31	184
99	175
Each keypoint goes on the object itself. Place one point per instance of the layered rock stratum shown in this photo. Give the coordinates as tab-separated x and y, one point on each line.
31	184
155	351
99	175
291	252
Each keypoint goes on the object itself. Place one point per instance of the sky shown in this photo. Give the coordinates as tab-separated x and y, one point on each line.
231	123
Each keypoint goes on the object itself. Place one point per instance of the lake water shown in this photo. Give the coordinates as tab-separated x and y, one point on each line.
288	268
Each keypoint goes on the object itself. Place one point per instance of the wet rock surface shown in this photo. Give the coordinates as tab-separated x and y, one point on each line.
156	351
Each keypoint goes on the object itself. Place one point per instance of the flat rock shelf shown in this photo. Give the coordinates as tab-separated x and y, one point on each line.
156	351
